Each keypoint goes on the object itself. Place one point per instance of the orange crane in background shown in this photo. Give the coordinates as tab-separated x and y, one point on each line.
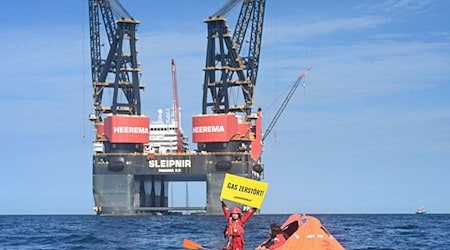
176	108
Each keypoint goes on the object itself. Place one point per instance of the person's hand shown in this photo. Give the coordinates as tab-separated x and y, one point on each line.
221	199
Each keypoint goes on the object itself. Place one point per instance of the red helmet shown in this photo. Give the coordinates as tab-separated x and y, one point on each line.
236	210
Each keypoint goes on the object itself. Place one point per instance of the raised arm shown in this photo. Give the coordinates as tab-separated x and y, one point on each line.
247	215
225	209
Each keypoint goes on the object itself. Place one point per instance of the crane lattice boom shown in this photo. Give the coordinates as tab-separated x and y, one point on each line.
226	68
284	104
176	108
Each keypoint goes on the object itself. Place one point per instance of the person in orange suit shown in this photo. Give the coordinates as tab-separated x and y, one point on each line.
276	239
235	228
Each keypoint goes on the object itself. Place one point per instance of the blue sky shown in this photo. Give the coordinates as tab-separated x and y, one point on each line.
369	132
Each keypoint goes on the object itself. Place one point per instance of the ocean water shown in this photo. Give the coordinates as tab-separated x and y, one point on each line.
378	231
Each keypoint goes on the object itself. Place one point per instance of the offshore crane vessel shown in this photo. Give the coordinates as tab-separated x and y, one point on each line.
129	179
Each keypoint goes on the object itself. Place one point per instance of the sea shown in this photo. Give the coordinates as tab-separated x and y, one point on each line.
353	231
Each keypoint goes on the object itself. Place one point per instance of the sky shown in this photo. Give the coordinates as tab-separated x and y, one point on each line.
368	131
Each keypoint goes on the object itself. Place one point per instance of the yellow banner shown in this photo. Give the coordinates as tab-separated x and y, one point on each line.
243	190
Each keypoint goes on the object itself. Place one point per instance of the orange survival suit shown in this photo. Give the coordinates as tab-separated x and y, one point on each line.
235	228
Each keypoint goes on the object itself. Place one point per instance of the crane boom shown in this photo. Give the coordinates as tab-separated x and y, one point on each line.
120	63
226	8
284	104
225	68
176	108
227	123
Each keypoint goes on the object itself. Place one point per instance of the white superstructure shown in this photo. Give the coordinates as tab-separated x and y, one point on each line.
163	135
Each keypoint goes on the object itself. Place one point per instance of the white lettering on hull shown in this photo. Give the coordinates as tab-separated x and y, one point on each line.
169	164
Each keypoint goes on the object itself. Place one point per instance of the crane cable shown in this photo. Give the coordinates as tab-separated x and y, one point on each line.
83	59
226	8
284	104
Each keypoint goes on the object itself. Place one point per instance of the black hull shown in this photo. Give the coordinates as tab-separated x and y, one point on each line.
129	184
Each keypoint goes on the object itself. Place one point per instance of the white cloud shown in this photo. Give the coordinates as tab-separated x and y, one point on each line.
410	6
290	32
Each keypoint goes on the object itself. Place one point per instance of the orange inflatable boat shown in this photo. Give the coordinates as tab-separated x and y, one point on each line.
307	233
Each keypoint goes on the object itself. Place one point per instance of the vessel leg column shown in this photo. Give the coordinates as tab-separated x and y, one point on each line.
214	183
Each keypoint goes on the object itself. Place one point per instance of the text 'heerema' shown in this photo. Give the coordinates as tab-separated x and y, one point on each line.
208	129
130	130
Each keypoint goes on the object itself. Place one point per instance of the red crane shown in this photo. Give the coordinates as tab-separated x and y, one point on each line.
176	108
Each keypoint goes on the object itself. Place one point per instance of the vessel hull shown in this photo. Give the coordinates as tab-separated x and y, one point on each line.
137	183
